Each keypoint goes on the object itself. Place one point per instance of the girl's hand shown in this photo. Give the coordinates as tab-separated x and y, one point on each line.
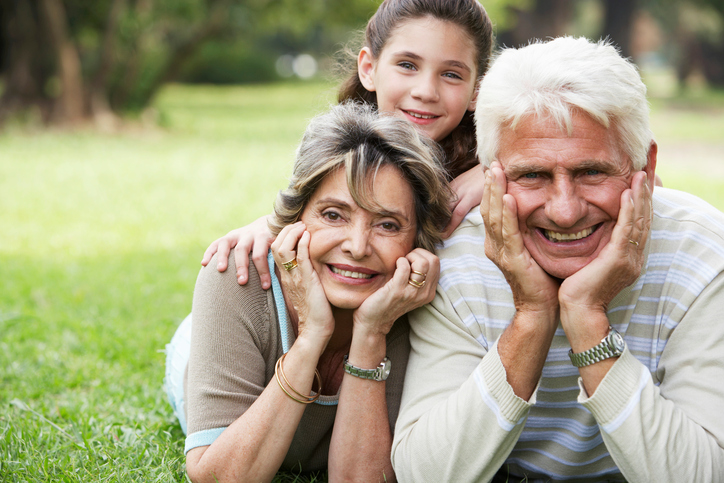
469	189
253	237
301	285
398	296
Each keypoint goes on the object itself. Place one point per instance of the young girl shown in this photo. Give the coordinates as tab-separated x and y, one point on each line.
421	61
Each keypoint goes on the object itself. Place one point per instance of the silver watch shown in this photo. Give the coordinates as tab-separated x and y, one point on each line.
610	346
379	373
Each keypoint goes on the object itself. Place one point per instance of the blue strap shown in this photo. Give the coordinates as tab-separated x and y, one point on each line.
280	305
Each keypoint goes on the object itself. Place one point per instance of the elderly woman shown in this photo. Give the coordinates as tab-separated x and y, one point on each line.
309	375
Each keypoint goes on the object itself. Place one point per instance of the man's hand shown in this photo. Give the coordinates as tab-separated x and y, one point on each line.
524	345
533	289
585	295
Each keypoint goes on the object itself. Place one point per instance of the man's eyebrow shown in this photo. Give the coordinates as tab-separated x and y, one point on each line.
519	169
451	63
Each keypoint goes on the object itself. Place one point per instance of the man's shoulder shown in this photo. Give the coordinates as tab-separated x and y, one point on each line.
468	237
674	208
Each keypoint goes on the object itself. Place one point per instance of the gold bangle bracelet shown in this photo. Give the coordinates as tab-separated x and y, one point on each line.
279	367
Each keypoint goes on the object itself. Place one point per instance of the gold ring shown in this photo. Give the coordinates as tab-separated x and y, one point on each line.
416	284
634	242
290	265
423	275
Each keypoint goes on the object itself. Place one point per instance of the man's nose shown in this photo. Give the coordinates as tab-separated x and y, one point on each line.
564	206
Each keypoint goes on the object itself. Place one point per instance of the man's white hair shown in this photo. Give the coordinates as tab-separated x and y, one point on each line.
555	78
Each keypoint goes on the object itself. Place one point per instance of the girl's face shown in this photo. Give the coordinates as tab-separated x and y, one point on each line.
426	74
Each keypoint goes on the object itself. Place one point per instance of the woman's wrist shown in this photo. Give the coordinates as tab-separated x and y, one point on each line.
368	348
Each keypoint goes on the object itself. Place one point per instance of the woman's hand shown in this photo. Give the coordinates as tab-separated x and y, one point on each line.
469	190
301	285
254	238
398	296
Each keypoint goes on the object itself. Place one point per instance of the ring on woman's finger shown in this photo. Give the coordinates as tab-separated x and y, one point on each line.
290	265
423	275
416	284
633	242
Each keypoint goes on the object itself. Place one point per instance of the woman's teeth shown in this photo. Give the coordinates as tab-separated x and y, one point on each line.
347	273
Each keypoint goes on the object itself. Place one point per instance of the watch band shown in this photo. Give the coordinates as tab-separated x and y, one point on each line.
610	346
379	373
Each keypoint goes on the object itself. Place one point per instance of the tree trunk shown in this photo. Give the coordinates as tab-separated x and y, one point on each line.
619	19
547	18
70	105
21	38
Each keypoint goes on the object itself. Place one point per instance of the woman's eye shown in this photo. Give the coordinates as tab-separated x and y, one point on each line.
331	215
389	226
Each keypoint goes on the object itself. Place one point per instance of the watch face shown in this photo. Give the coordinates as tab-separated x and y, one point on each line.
385	368
618	342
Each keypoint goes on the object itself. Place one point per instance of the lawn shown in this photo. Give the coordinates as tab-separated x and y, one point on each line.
101	235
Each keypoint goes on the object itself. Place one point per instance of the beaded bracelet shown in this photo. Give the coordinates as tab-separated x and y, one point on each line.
279	368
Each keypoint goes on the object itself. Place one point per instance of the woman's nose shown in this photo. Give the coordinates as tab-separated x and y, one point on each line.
357	241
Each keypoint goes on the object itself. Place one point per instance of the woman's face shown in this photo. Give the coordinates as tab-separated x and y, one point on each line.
354	251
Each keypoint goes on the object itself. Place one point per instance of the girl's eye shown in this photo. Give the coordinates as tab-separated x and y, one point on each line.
407	65
453	75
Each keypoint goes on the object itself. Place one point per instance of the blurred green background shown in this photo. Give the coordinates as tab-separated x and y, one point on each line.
188	118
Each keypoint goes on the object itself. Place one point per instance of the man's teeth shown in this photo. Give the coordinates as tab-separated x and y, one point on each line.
558	237
346	273
419	116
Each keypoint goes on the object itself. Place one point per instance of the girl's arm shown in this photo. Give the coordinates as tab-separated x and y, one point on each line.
255	238
361	439
469	190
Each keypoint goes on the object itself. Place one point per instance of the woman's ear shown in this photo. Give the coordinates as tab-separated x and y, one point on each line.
366	68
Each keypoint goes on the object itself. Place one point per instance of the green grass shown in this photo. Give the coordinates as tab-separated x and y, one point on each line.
100	241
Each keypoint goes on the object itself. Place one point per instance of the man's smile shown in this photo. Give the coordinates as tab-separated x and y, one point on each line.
555	236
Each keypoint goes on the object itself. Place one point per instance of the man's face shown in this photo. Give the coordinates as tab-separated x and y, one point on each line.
567	189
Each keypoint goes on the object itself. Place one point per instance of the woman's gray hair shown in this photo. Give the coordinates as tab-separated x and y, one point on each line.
555	78
354	137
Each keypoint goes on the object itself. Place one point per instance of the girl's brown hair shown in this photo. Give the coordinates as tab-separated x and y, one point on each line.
460	145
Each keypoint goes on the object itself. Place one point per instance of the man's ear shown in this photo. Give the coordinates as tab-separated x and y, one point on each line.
366	68
650	167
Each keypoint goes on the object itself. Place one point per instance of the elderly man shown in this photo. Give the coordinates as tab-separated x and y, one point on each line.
577	331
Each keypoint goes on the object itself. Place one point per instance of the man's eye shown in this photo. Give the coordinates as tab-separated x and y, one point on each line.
530	175
592	172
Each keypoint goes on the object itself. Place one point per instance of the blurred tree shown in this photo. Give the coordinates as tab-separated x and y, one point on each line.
696	37
74	60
